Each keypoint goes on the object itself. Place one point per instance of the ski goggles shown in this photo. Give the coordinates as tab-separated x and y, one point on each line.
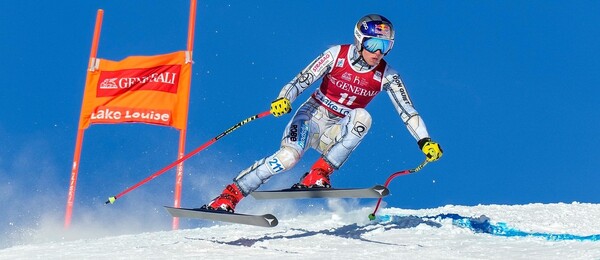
374	44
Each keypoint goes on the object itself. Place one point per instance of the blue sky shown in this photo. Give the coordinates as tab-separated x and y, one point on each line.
508	88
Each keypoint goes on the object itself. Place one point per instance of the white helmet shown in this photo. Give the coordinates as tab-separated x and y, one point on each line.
374	32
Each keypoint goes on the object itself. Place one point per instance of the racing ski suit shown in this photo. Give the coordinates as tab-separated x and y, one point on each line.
333	120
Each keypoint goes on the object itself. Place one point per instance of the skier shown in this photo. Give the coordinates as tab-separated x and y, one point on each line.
333	120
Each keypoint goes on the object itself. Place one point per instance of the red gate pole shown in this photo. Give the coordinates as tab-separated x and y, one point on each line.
79	138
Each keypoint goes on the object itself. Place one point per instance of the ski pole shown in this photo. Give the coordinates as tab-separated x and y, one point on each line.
394	175
112	199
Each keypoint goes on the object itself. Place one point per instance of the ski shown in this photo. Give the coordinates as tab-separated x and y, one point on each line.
376	191
266	220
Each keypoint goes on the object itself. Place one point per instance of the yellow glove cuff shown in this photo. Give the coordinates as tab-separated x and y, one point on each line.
432	150
281	106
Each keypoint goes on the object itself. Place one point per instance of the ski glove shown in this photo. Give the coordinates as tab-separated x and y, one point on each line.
281	106
431	149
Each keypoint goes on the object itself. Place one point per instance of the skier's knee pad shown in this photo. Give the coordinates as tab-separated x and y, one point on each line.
287	156
360	121
353	129
251	178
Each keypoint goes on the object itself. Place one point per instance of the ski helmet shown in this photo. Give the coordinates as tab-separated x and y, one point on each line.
374	32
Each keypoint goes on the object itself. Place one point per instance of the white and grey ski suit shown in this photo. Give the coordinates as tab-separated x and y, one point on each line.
333	120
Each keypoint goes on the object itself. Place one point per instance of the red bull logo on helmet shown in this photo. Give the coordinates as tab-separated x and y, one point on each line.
383	30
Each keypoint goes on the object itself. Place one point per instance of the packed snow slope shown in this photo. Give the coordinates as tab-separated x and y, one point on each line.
533	231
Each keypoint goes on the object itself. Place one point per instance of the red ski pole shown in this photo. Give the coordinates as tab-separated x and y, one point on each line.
112	199
394	175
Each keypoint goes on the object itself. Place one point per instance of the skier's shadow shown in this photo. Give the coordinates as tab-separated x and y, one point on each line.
351	231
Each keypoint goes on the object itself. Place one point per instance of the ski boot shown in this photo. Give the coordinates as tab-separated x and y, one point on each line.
230	197
317	177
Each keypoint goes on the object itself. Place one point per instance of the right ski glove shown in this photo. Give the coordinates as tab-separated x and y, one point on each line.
431	149
281	106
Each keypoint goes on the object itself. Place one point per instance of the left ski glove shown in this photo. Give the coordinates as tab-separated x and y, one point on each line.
431	149
281	106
